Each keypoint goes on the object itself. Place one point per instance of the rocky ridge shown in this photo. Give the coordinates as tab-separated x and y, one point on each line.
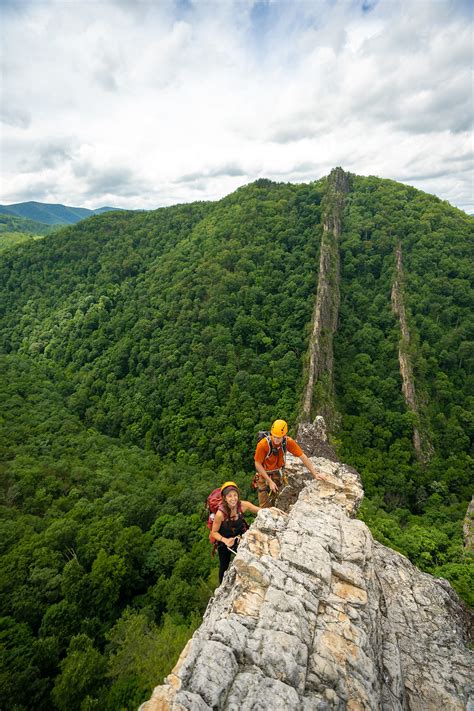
468	528
316	615
421	444
326	307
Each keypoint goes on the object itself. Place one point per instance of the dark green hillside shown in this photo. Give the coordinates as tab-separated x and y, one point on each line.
142	352
437	243
89	529
182	329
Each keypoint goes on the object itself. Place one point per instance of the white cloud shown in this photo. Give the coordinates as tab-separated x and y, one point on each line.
142	103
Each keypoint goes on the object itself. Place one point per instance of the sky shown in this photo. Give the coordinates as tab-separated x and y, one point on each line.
143	104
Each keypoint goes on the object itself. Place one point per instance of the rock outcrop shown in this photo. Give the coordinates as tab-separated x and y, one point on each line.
315	615
421	444
468	528
326	308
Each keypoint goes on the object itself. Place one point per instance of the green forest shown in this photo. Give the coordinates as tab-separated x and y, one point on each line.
16	230
142	352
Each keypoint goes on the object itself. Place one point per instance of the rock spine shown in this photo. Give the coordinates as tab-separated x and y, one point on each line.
421	443
468	529
326	309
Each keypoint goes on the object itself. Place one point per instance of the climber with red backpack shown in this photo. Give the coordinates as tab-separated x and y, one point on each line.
270	459
227	521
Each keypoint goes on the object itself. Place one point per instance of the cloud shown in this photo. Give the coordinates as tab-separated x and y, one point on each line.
229	169
112	181
296	129
146	104
47	154
18	118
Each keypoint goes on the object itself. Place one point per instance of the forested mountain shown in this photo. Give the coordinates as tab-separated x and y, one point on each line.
12	223
15	230
142	353
25	221
49	213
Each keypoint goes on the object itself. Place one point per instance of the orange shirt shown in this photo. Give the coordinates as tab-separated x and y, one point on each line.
275	461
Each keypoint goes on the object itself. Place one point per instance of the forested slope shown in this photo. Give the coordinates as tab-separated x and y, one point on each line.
376	430
14	230
178	329
142	353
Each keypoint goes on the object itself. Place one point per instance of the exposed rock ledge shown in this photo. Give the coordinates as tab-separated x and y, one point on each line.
316	615
468	528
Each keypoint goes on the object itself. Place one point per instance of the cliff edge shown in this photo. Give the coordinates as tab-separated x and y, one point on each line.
316	615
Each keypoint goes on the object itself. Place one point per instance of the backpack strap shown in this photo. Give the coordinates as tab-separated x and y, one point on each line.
271	448
222	510
240	515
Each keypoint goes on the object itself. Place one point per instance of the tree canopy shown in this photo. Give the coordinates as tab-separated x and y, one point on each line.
142	352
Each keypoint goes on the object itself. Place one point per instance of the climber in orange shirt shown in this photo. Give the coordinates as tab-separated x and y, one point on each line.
270	456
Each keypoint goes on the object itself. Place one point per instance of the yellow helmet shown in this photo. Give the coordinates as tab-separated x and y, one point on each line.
230	484
279	428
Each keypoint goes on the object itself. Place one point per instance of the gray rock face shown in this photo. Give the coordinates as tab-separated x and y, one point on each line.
314	440
315	615
468	528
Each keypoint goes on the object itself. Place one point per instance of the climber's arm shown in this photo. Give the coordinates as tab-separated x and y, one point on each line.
311	468
248	506
263	473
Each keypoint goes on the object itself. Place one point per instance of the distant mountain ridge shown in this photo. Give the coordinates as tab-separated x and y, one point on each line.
50	213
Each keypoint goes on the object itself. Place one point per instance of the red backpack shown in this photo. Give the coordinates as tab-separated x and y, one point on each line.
214	500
